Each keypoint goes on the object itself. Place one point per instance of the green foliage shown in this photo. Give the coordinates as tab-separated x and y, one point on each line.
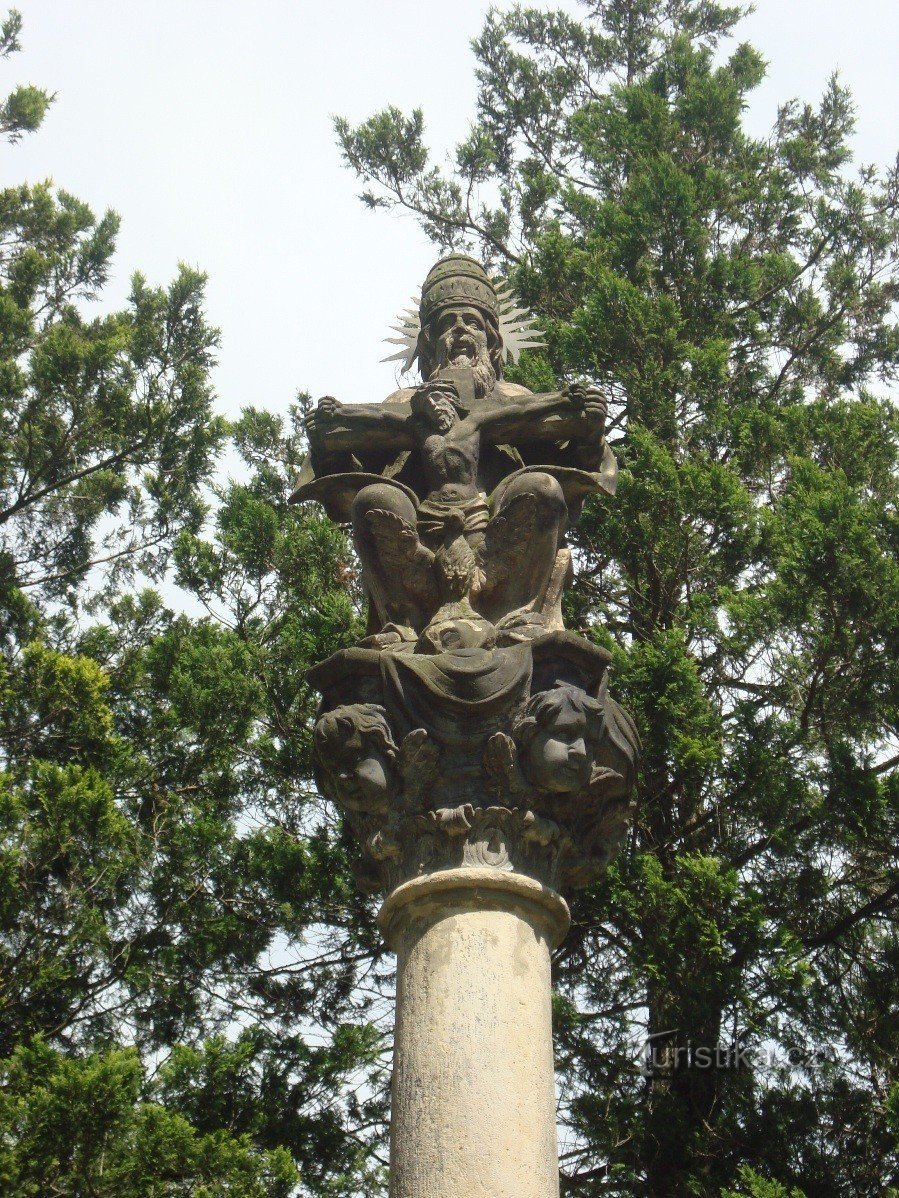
169	873
180	937
90	1125
735	298
24	108
105	424
754	1186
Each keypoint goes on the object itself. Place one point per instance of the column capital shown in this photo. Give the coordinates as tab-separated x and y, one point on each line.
511	757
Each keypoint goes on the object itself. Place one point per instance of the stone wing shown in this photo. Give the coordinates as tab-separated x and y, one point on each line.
404	562
418	761
504	551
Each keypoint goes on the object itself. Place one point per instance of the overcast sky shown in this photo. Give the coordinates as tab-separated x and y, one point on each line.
207	125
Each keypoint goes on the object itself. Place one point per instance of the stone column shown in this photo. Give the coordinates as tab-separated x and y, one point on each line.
473	1101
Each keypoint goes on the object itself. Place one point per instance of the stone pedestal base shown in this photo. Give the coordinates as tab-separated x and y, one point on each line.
474	1112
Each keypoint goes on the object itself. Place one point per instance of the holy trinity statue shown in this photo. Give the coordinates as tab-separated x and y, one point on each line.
467	691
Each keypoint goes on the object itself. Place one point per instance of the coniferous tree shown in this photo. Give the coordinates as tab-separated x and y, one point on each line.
177	1013
191	994
736	297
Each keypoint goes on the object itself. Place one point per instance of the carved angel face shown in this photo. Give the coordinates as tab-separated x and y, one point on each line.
354	752
560	756
558	738
361	772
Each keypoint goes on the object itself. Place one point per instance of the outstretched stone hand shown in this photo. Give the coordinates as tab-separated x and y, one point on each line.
326	412
591	401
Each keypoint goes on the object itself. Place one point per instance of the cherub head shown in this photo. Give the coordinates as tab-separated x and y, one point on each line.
354	751
558	736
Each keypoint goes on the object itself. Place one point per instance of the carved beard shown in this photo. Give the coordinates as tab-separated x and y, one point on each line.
443	416
481	366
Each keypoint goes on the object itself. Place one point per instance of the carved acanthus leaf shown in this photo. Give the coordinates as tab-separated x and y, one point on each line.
454	821
385	845
538	830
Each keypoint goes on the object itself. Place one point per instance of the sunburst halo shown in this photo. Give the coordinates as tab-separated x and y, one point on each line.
516	328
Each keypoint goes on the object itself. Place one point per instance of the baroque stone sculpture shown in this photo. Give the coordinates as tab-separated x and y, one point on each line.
468	728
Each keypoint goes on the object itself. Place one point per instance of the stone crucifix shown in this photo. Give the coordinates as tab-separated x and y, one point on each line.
469	738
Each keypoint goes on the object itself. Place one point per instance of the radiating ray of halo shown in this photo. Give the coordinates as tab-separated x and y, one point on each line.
516	328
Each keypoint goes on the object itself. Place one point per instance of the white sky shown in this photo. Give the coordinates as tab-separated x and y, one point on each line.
206	124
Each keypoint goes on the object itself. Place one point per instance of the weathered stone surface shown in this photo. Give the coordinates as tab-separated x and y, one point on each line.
473	1102
468	728
453	758
470	739
459	491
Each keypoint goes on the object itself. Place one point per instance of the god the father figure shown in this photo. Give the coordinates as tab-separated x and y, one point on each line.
465	460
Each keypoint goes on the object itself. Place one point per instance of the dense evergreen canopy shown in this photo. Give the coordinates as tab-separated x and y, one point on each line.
192	993
175	914
736	297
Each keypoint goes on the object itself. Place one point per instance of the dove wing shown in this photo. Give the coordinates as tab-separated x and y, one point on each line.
499	554
402	556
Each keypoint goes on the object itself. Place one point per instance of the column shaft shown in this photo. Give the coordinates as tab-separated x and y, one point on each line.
474	1112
